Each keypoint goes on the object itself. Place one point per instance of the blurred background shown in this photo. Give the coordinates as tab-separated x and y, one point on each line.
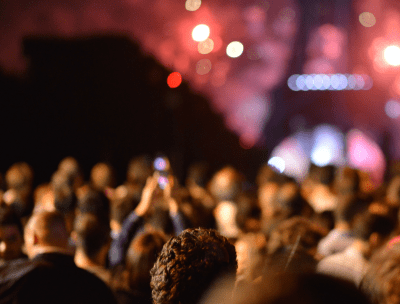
237	82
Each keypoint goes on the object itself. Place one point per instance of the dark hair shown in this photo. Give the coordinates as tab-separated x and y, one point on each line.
347	180
381	283
296	230
92	234
188	265
141	256
9	217
369	223
96	203
122	205
199	173
248	212
348	206
307	288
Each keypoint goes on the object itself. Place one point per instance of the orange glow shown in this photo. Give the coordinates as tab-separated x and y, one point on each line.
392	55
206	46
200	32
192	5
367	19
174	80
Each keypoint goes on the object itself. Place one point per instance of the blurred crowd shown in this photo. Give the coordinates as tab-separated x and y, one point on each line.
331	237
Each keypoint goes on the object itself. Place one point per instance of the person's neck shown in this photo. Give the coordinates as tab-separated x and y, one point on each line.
83	261
342	226
363	247
50	249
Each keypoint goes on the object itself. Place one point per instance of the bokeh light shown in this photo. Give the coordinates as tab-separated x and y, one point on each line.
287	14
203	66
200	32
234	49
392	109
174	80
367	19
277	163
206	46
336	82
192	5
392	55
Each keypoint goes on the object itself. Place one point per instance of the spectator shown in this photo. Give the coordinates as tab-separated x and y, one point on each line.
338	239
371	230
11	235
102	177
225	186
92	240
381	283
142	254
147	212
189	264
51	276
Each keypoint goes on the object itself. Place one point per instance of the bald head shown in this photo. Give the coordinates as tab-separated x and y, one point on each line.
45	229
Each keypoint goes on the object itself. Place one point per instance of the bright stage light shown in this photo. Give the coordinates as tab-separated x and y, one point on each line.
277	163
335	82
234	49
200	32
392	55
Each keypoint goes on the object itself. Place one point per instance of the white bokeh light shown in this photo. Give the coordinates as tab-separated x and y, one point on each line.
392	55
200	32
277	163
392	109
234	49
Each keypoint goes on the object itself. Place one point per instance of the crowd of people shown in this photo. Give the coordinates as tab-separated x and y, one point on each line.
218	237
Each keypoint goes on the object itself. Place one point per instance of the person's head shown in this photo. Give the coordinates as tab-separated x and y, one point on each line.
102	176
45	229
248	215
226	184
122	203
19	176
348	207
347	181
70	167
189	264
11	235
96	203
297	231
381	283
198	175
301	288
141	256
92	236
139	169
373	228
393	192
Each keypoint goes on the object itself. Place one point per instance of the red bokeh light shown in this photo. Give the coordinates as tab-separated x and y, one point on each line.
174	80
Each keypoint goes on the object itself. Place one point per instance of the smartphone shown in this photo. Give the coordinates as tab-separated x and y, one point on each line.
161	165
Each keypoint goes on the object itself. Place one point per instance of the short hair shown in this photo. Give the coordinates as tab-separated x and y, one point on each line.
102	176
189	264
141	256
92	234
301	288
369	223
348	206
226	184
96	203
199	173
122	203
8	217
50	227
139	169
347	180
296	230
19	176
381	283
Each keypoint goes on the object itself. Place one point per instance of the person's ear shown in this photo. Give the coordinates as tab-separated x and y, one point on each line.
35	239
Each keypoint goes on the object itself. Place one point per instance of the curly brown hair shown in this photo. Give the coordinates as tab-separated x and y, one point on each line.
189	264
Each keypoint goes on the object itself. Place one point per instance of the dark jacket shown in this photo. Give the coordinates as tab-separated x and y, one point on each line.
51	278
